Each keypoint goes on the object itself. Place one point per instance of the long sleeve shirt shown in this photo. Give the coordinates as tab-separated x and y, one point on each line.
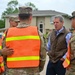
68	36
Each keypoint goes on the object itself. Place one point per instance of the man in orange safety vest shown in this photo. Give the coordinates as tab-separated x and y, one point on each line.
26	54
70	58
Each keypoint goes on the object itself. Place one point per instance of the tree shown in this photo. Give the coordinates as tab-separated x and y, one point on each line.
2	23
12	7
31	5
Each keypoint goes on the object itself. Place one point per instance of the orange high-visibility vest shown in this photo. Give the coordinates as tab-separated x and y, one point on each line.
1	64
1	59
26	45
66	62
0	43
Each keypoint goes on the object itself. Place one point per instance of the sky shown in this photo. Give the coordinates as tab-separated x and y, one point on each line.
64	6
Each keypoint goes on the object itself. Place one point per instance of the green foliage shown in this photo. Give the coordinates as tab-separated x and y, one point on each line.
12	3
45	36
67	16
11	8
31	5
2	23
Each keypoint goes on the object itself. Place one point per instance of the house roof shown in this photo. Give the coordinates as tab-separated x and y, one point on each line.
47	13
43	13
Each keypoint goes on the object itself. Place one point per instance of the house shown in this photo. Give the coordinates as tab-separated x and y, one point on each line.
43	20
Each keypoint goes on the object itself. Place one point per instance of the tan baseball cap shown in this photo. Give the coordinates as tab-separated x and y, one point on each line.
25	10
14	19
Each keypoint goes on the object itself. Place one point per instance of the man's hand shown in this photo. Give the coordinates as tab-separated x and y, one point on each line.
7	51
62	59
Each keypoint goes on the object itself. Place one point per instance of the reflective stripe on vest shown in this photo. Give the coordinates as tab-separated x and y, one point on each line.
26	47
23	58
1	58
0	43
1	64
22	38
66	62
0	47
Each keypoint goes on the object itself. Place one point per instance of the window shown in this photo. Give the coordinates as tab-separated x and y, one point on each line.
41	27
51	20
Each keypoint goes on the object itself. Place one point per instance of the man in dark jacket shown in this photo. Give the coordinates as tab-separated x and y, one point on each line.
57	47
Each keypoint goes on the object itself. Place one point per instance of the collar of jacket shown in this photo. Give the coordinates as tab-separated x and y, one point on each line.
62	31
22	24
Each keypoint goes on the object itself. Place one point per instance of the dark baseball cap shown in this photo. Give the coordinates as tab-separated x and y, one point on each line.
73	15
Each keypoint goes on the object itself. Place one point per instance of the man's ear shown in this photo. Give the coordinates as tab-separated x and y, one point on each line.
18	18
30	17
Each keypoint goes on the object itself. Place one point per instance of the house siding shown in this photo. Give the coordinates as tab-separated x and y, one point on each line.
43	17
46	22
67	23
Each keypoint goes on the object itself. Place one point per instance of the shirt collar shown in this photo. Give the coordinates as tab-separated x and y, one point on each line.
60	30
